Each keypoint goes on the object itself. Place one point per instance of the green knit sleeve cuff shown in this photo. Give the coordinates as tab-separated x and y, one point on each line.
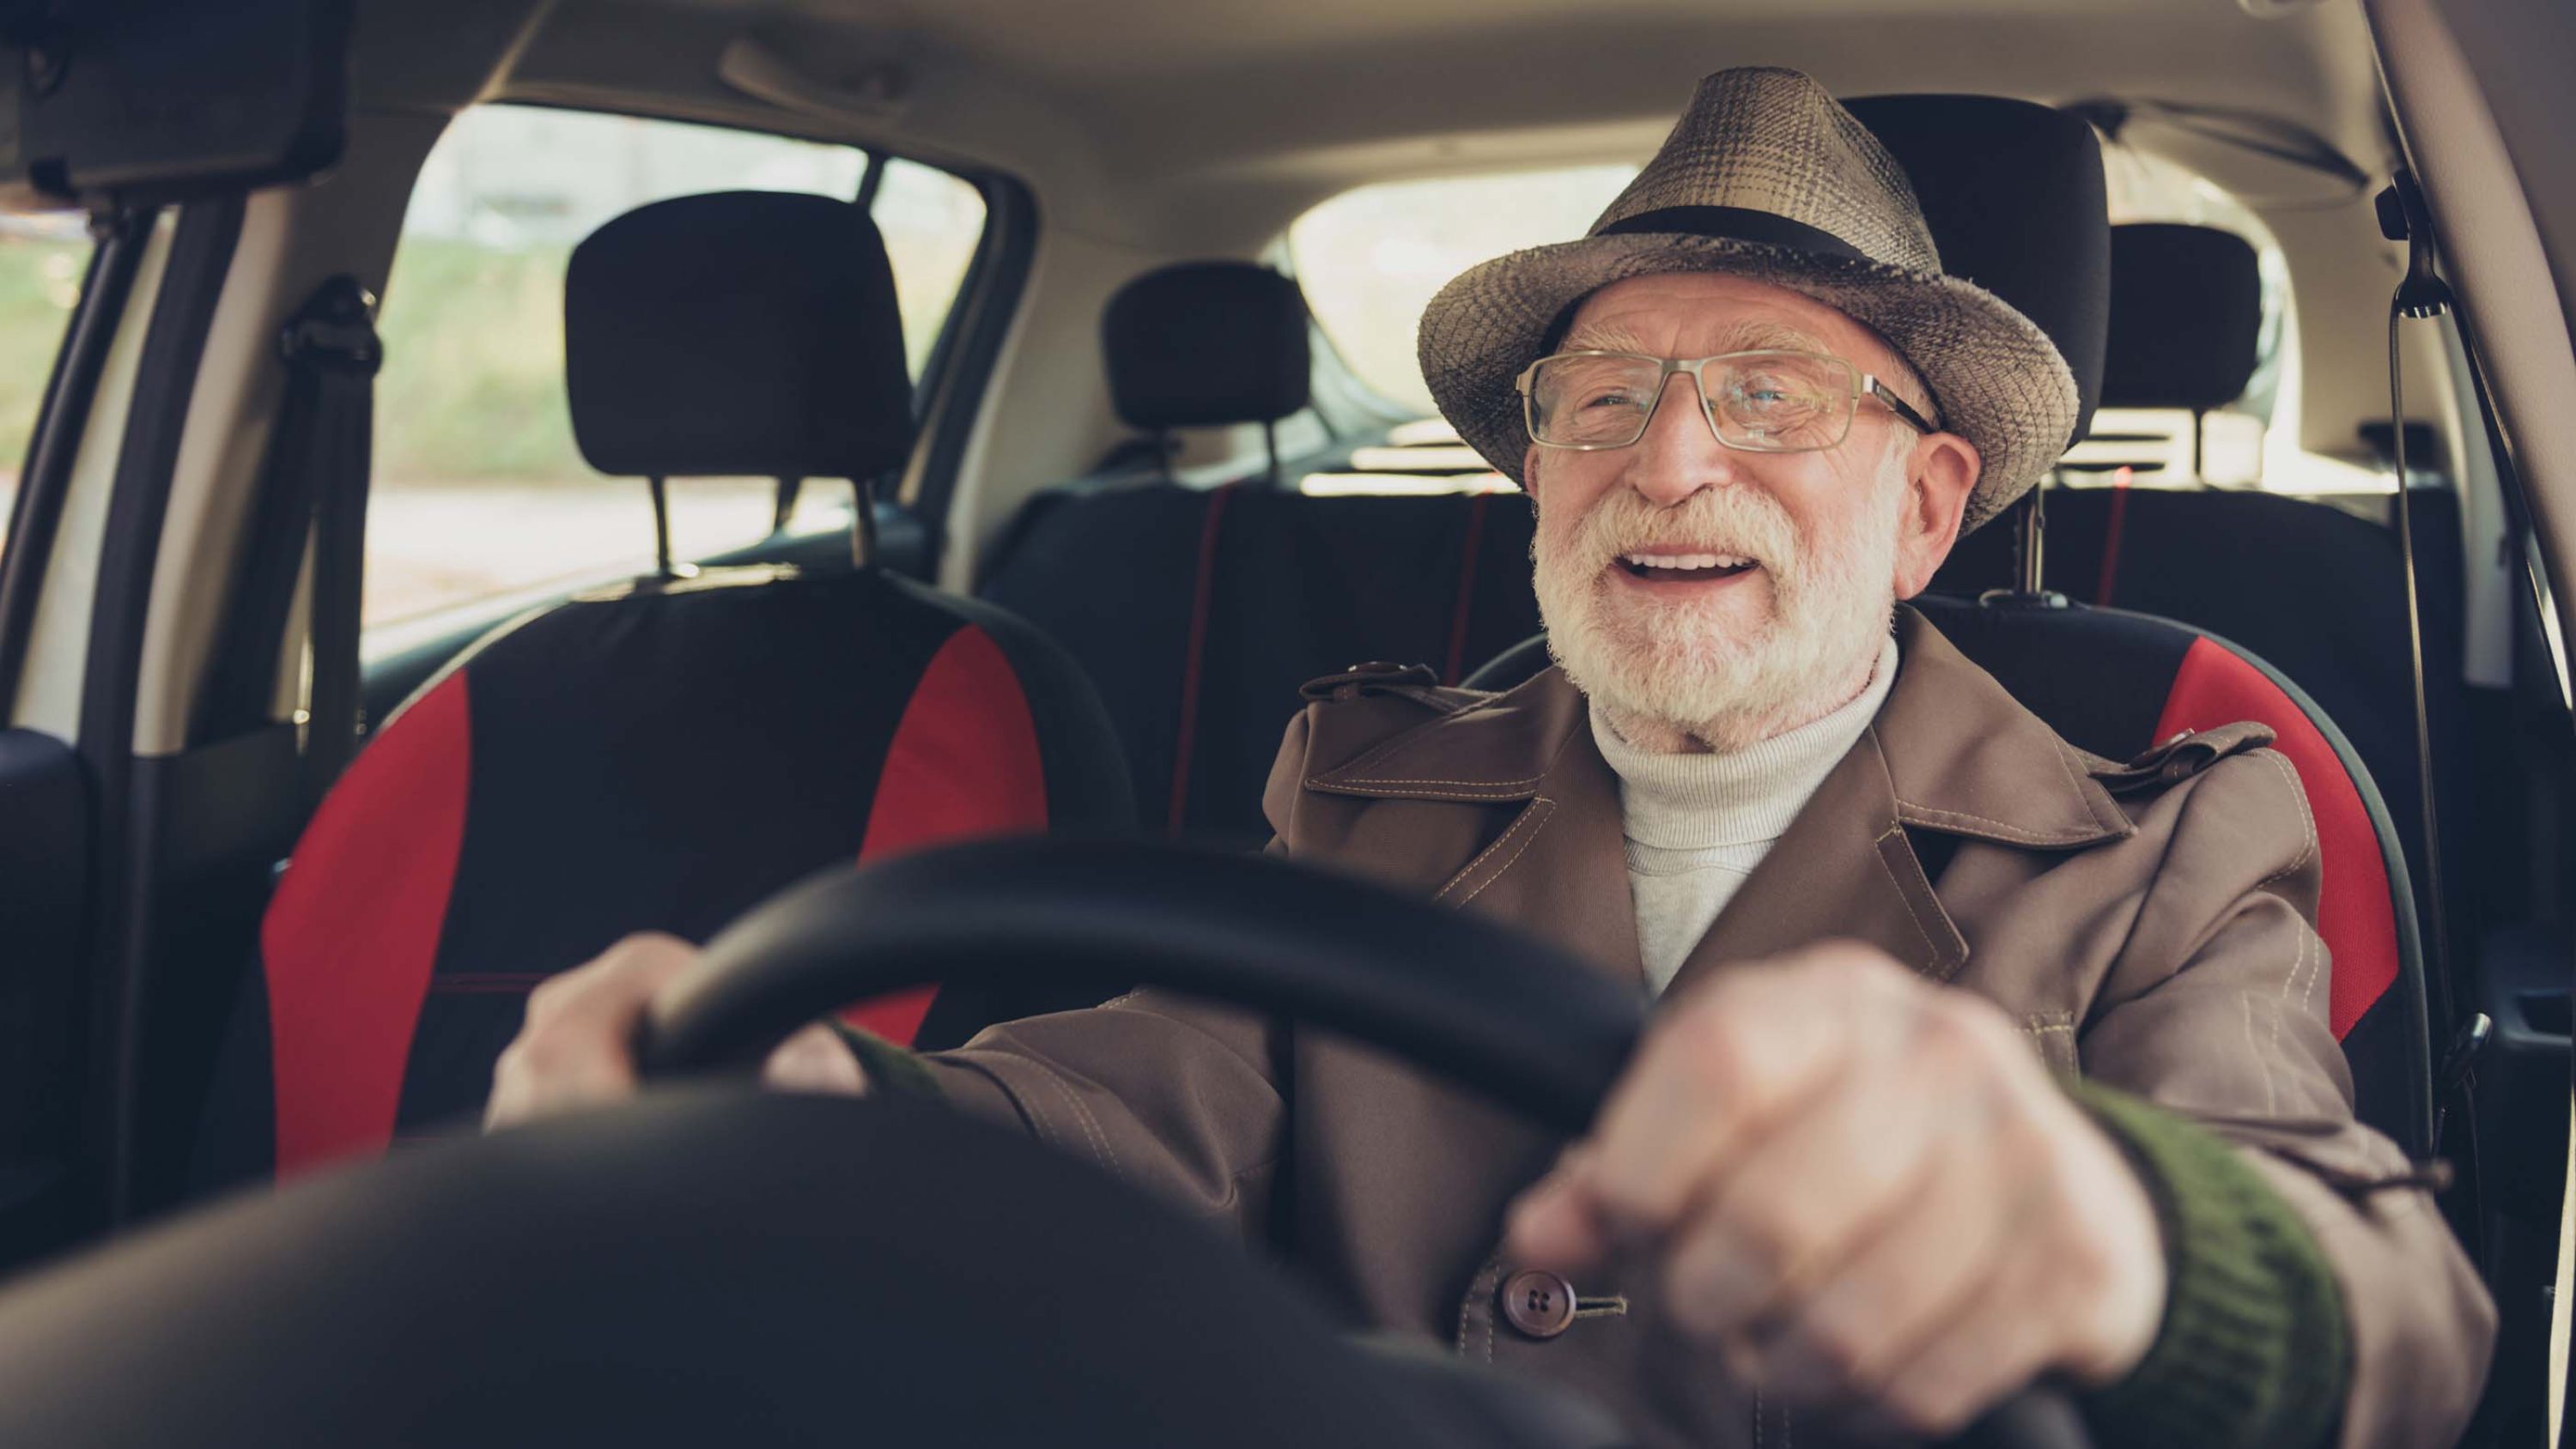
2253	1348
890	1068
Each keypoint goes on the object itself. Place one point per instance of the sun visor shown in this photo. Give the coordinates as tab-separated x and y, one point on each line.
144	102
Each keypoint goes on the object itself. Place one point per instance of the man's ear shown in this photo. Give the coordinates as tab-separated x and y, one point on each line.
1529	475
1940	473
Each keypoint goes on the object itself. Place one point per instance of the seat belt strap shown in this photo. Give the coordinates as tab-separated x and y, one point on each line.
313	490
338	352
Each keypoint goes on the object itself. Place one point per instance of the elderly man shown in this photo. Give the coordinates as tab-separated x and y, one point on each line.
2053	1096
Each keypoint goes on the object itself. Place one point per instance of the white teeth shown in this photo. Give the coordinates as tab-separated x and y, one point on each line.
1687	561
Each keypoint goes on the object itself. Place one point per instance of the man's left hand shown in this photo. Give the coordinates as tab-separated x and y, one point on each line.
1860	1190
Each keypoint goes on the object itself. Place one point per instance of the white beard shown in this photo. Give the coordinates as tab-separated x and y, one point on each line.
1675	663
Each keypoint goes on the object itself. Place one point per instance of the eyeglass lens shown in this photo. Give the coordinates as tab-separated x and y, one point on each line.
1769	401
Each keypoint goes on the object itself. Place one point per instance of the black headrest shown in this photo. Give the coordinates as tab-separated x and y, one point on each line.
2186	316
2014	196
739	334
1203	343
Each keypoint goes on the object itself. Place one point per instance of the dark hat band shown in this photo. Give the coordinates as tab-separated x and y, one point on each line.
1735	223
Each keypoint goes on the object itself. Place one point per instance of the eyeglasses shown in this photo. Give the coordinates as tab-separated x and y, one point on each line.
1760	402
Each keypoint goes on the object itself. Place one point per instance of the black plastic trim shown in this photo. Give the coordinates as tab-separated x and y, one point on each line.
44	889
201	254
63	417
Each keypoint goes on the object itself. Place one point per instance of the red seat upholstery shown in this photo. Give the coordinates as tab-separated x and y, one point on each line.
2116	683
665	755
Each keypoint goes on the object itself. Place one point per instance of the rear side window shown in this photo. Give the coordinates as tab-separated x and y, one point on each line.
42	260
480	495
1371	258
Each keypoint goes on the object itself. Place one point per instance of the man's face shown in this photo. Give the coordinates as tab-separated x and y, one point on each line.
1816	547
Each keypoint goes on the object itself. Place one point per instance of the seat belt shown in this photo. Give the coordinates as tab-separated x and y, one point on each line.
313	488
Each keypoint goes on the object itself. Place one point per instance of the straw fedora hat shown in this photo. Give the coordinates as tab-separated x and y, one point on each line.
1767	176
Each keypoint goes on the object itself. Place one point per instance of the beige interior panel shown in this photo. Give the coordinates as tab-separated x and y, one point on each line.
2502	273
49	694
292	239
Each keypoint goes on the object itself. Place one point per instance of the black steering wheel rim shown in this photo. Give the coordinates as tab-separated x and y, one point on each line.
1540	1031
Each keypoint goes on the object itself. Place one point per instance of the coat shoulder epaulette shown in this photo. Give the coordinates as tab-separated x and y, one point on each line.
2180	757
1415	682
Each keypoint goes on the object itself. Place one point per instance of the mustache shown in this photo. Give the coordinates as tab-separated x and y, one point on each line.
1739	521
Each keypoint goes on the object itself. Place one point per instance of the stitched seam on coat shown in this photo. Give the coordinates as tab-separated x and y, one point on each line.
1525	827
1929	945
1496	792
1101	1150
2271	1097
2308	820
2078	787
1402	738
1037	1117
1461	784
2009	832
994	1080
1147	1009
1481	790
1381	750
1486	1280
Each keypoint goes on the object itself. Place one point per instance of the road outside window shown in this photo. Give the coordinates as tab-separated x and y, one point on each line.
42	259
480	494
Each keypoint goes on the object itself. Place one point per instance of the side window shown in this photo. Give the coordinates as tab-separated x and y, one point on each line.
932	222
42	259
480	495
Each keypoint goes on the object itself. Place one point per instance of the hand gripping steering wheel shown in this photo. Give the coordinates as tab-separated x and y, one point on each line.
1530	1027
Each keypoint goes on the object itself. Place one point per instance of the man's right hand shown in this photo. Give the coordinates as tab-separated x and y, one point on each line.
577	1046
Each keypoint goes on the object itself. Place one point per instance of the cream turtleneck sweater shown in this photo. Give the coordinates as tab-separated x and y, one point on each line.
1697	825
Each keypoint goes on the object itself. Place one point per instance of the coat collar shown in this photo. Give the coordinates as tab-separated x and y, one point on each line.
1950	752
1961	755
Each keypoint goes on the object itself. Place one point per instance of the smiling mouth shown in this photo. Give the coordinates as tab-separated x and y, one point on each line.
1685	567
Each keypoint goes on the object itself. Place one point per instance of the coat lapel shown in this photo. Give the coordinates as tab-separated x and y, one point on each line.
1567	878
1951	752
1557	864
1843	869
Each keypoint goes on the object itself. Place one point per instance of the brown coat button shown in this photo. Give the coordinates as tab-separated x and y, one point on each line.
1540	1305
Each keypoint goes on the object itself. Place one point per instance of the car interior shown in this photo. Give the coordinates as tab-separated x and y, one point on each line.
508	474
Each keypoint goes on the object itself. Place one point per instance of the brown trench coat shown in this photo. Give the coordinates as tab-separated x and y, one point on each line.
2149	928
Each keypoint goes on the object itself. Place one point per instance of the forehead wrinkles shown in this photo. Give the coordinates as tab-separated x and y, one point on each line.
1751	334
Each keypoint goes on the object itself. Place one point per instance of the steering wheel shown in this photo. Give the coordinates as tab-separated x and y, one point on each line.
1534	1029
715	1264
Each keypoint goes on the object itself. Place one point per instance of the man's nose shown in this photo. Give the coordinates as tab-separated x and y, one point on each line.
1680	453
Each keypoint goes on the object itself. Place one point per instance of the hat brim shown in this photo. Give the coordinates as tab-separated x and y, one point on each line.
1996	378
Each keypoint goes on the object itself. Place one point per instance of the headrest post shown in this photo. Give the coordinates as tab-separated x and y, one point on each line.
1270	443
2199	470
2030	537
789	490
661	526
863	522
